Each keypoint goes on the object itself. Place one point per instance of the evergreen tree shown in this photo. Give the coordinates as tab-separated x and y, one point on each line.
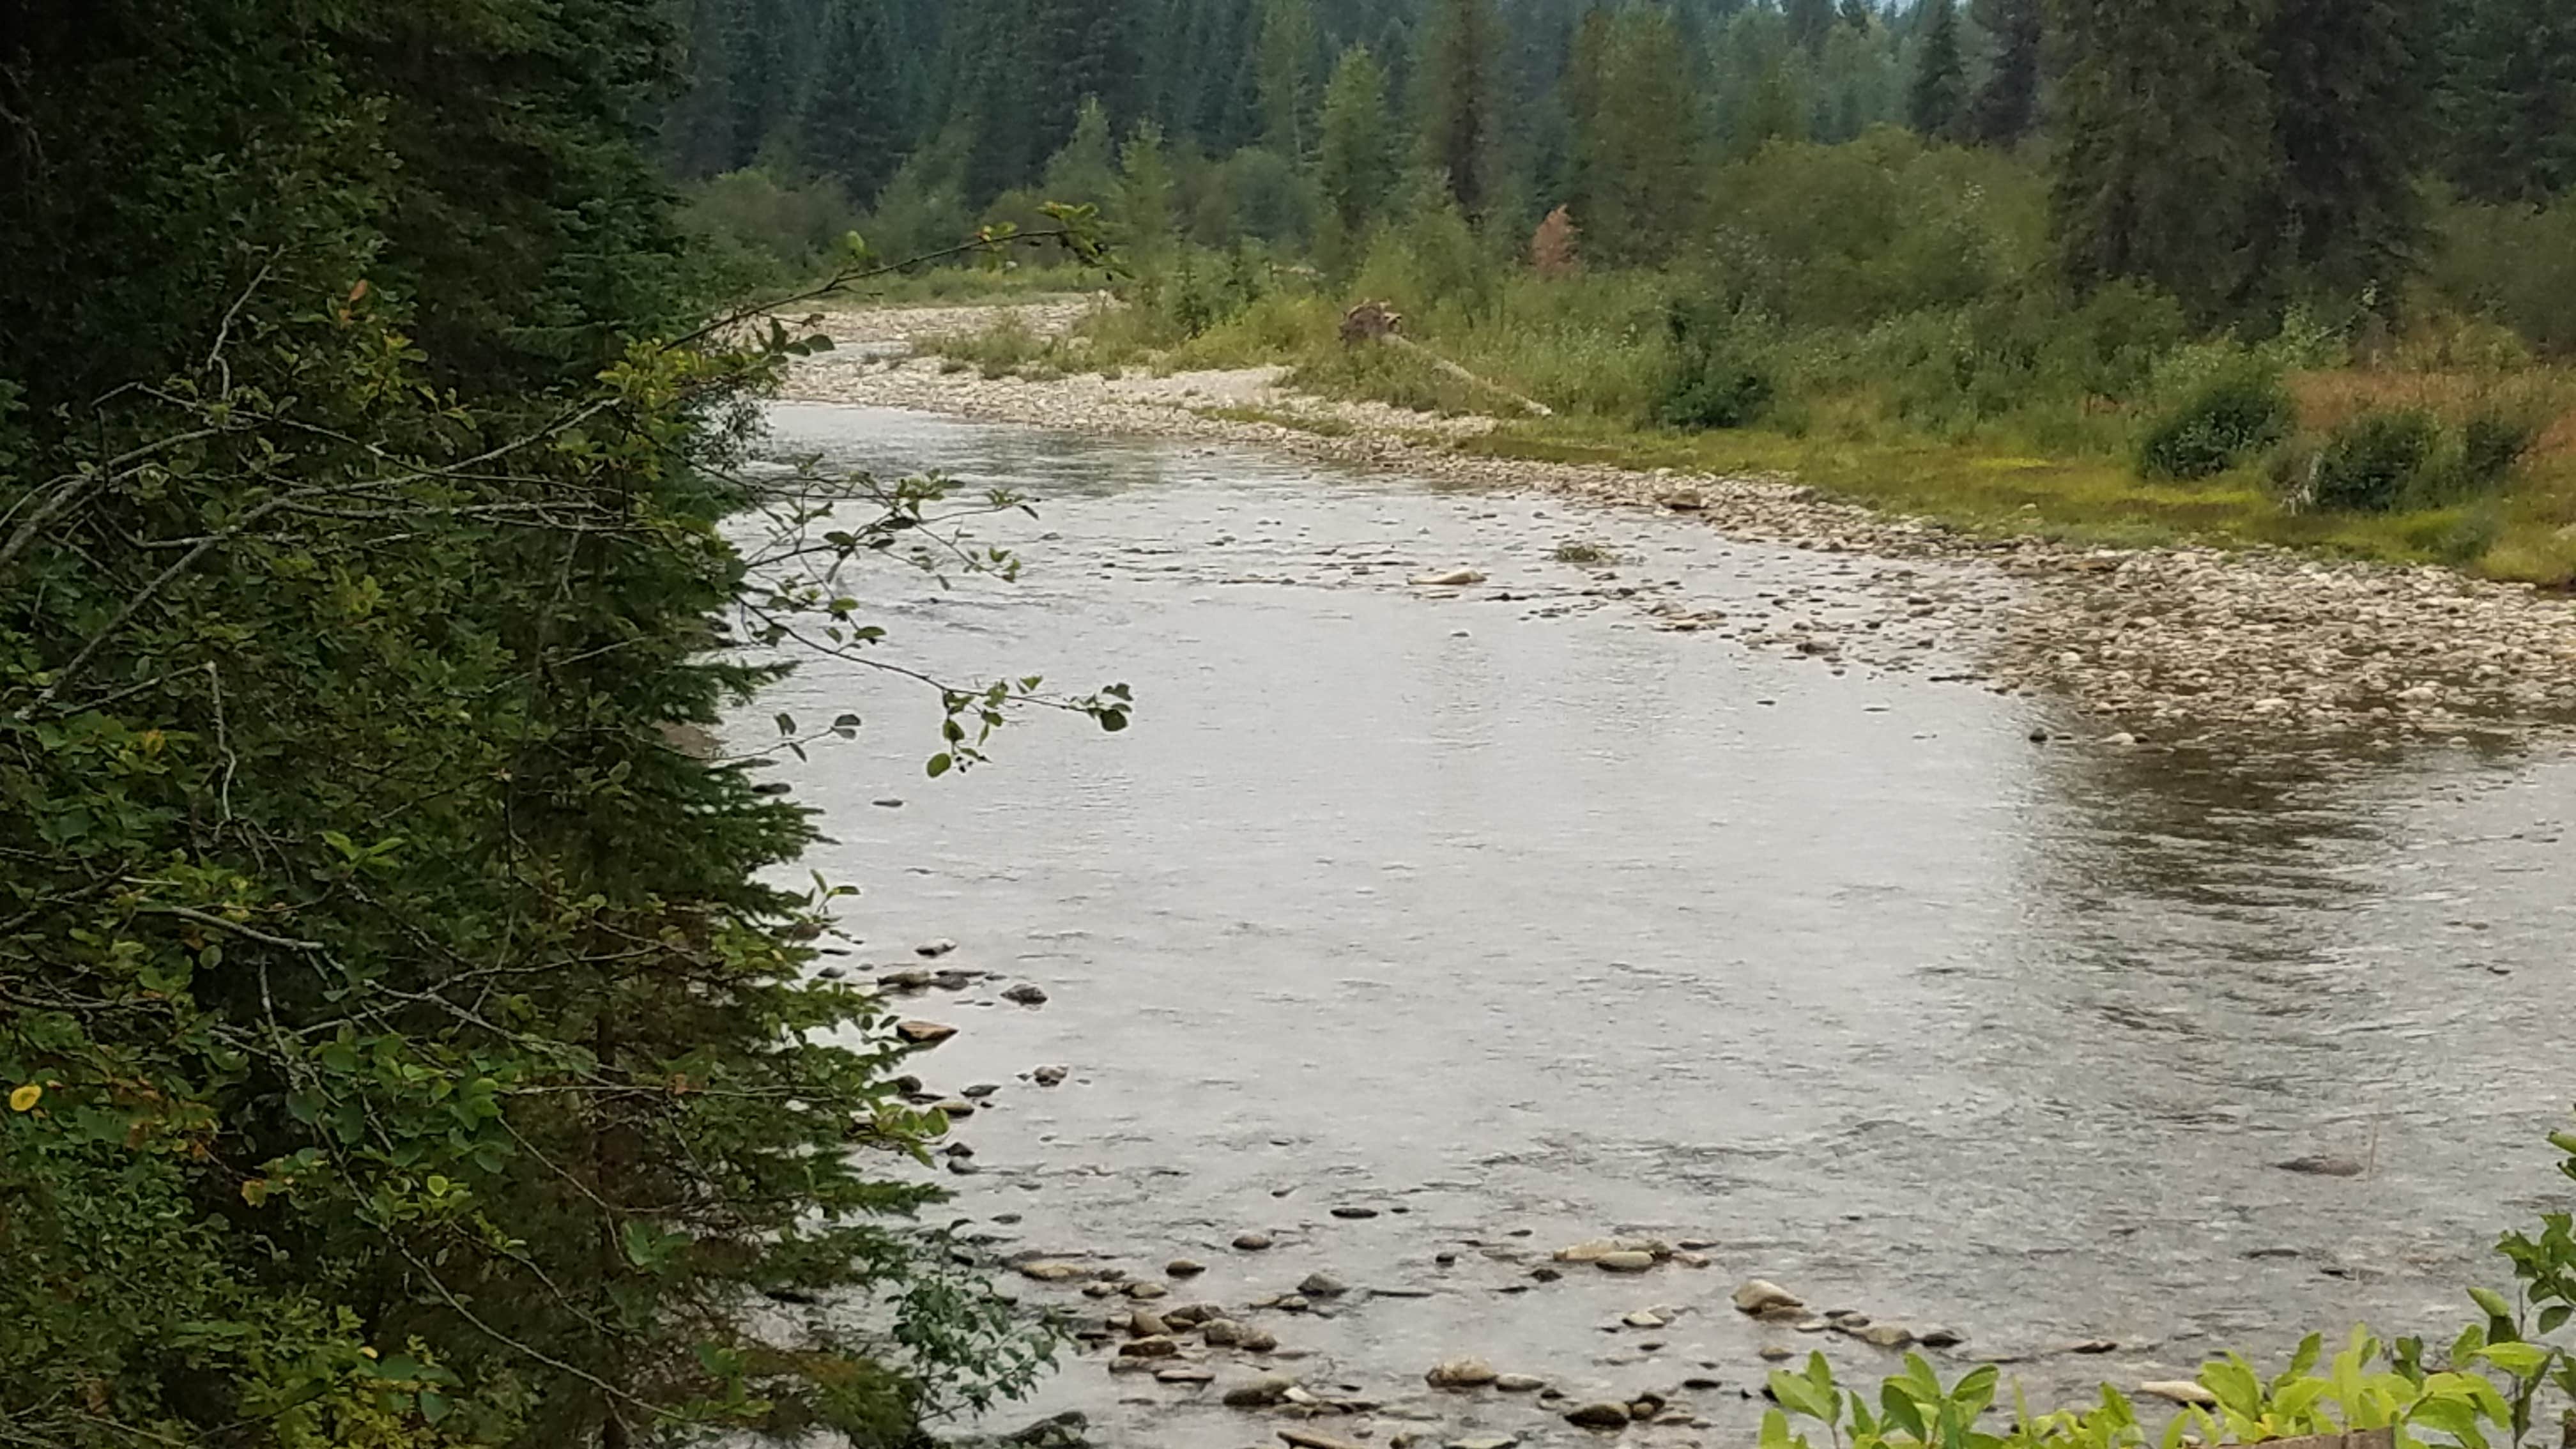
1084	171
2006	107
2508	98
1145	191
1357	156
854	128
1810	21
1636	142
2351	89
1287	75
2164	146
1459	100
1938	93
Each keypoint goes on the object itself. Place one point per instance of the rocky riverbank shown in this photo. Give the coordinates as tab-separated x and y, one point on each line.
2162	645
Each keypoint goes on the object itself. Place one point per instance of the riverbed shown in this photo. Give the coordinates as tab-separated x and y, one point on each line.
1590	899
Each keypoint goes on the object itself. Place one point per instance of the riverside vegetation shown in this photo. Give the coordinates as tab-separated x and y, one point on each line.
2283	273
401	1044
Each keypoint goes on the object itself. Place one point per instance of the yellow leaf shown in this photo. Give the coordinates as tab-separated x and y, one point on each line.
25	1098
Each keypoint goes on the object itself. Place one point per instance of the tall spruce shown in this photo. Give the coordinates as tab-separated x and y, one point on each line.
2508	98
1459	100
2164	147
1637	145
2351	83
1936	99
1287	76
855	127
2006	107
1357	155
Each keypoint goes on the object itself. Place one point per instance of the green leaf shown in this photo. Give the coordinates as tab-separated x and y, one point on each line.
2522	1360
434	1405
940	765
2493	1302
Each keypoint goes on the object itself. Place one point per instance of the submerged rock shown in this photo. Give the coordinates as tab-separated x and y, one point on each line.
1601	1415
1624	1262
1024	994
1259	1393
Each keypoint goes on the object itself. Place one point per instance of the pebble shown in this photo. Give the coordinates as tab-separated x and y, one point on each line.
1645	1318
1184	1268
1759	1294
1157	1347
1051	1270
924	1033
1221	1332
1186	1374
1146	1323
935	949
1308	1439
1252	1242
1048	1076
1322	1285
1601	1415
1519	1383
1624	1262
1024	994
1146	1290
1484	1441
1355	1214
1259	1393
2179	1391
954	1107
1777	1353
1885	1335
1461	1373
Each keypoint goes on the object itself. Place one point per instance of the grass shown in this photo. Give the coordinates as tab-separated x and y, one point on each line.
1319	425
1878	415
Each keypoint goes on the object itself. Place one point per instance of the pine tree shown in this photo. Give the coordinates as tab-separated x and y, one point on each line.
1458	81
2006	107
2351	91
1809	22
1083	171
1938	94
853	127
1357	155
1145	191
2164	147
1287	75
2508	98
1636	145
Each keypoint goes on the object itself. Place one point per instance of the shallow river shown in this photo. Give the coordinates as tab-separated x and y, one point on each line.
1527	922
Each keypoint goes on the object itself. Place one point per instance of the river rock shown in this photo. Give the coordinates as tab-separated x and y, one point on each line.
1184	1268
1309	1439
1940	1338
1024	994
1251	1242
1221	1332
980	1091
2323	1166
1453	579
954	1107
1778	1353
1484	1441
1048	1076
1624	1261
1068	1430
924	1033
1146	1290
1188	1373
2179	1391
1099	1290
1886	1335
904	980
1053	1270
1355	1214
1259	1393
1146	1323
1546	1274
1645	1318
1519	1383
1601	1415
1256	1339
935	949
1760	1294
1160	1346
1461	1373
1595	1249
1322	1285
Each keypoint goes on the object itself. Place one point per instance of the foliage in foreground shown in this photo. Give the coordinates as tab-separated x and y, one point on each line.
400	1043
2483	1391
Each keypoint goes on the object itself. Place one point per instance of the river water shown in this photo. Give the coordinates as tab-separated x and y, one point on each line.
1526	922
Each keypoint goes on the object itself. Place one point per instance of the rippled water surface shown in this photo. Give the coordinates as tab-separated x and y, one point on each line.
1524	922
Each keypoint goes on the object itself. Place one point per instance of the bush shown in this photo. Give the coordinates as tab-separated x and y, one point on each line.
2240	414
2491	445
2374	462
1714	383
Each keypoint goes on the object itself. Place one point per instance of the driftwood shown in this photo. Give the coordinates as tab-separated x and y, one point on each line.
1377	322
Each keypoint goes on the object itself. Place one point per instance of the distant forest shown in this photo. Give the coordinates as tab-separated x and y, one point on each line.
2197	124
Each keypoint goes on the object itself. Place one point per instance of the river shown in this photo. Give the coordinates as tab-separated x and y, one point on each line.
1528	921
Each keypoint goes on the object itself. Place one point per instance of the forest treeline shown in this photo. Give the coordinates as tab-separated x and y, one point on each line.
2228	151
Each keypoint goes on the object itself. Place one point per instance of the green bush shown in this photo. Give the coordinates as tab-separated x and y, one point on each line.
2375	462
1714	383
2231	419
2491	445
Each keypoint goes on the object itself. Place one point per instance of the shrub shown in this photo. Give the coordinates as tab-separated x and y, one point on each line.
2239	414
1715	381
2374	462
2491	445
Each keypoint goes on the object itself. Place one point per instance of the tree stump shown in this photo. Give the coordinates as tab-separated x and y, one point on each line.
1369	322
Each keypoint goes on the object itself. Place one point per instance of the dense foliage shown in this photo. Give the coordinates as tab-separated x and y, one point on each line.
400	1044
